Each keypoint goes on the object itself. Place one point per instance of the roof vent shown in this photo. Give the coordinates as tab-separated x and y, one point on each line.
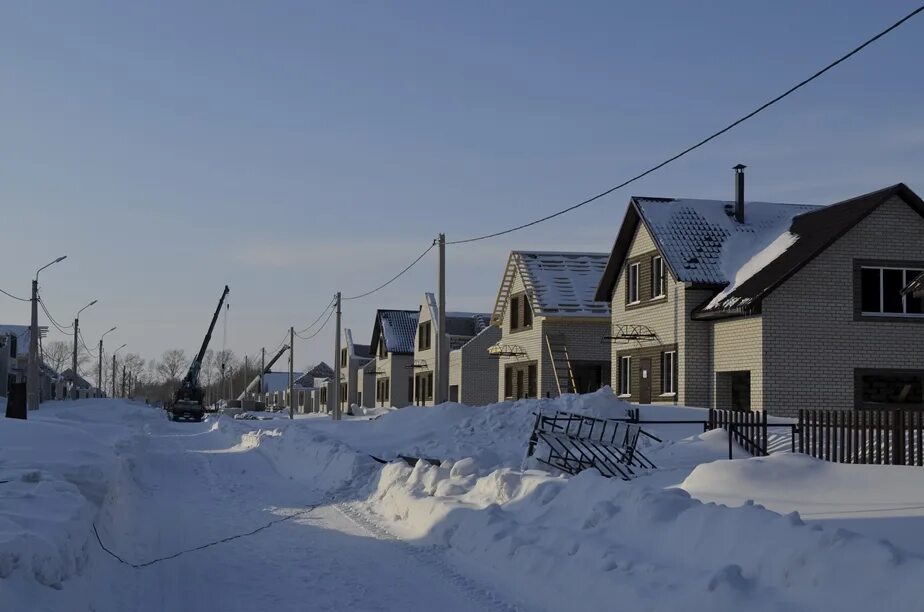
739	192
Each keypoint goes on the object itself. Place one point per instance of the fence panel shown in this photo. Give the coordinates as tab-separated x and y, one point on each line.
880	437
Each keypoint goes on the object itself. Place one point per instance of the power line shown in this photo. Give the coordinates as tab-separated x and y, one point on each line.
52	319
313	323
330	313
393	278
702	142
15	297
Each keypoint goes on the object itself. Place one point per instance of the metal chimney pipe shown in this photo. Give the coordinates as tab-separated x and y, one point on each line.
739	192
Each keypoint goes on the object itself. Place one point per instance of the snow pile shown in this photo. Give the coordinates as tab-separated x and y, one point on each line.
878	500
494	435
54	477
596	541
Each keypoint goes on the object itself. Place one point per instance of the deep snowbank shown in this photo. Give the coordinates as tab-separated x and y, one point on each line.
57	476
596	541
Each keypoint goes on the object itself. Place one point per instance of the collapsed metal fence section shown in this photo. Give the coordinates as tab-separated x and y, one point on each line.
573	443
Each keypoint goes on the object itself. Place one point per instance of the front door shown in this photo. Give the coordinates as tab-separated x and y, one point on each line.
644	386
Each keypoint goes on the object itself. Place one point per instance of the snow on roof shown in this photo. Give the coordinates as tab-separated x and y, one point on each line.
703	243
557	283
398	328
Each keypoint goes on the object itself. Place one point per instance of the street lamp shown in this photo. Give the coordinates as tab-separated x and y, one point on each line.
33	393
99	372
74	358
114	367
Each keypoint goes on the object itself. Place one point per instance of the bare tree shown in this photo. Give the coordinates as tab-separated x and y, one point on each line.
171	363
58	355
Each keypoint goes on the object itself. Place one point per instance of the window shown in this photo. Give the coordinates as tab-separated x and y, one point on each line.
382	389
881	292
343	358
657	277
521	315
301	398
424	331
632	286
625	364
343	393
383	353
882	388
668	373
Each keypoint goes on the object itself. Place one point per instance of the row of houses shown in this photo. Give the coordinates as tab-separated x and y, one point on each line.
715	303
14	359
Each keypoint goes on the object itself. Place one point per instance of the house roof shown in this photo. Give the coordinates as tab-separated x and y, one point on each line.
397	327
744	264
811	233
461	325
916	286
308	379
82	382
557	283
278	381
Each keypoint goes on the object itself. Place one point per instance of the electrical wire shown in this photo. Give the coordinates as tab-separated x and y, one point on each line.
53	322
84	343
393	278
51	318
15	297
320	329
323	312
702	142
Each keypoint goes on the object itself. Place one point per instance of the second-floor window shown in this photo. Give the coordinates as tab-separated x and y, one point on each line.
343	358
632	288
521	313
424	331
657	277
383	353
881	292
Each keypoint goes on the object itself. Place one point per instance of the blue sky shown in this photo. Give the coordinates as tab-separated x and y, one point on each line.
290	149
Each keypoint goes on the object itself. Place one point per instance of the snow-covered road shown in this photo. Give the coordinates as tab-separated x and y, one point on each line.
188	485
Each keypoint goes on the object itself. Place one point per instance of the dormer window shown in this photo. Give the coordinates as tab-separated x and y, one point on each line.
632	285
424	331
657	277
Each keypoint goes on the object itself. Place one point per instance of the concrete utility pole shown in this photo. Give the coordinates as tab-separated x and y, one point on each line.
246	377
114	376
123	380
33	384
74	359
335	395
442	353
291	373
262	368
99	372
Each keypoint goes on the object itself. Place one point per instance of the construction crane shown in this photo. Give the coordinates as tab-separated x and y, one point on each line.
266	370
187	401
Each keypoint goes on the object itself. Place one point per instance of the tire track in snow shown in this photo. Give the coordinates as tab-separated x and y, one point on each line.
430	558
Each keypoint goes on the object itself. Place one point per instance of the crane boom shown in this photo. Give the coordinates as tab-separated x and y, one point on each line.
266	370
189	388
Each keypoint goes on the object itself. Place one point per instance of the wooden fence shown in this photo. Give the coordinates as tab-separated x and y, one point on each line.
889	437
747	429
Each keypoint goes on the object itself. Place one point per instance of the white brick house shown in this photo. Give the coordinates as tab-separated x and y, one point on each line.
776	307
472	371
552	327
460	328
352	358
393	334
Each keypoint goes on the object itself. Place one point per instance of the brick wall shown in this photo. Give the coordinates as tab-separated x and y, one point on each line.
474	371
738	346
812	344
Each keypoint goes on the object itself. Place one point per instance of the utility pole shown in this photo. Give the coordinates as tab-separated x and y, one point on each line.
246	379
32	380
99	371
335	395
33	384
442	354
123	380
74	362
113	373
262	368
291	373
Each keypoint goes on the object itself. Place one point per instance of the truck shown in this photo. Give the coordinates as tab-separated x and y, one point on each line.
187	403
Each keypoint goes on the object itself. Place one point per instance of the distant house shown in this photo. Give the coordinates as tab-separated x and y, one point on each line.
352	357
762	306
365	378
275	390
460	328
14	361
472	371
393	334
552	327
84	388
307	387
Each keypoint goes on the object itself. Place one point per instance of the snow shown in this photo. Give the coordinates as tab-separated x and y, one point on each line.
701	240
563	283
476	531
742	261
